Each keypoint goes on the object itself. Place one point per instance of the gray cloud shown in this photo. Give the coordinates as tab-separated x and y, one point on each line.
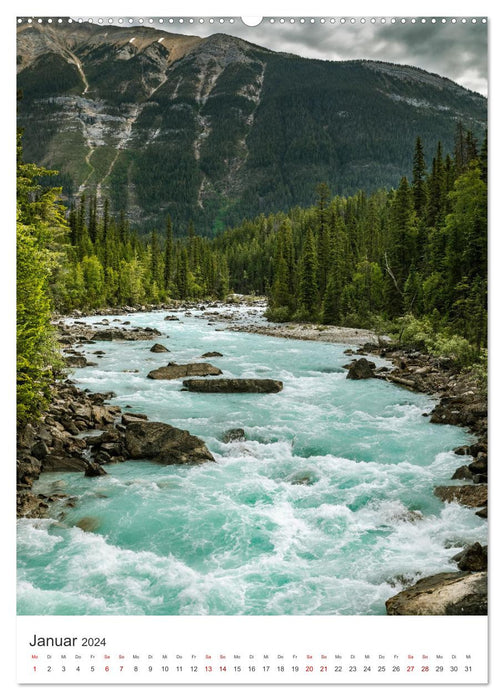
454	50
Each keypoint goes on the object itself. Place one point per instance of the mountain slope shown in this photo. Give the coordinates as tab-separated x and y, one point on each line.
216	129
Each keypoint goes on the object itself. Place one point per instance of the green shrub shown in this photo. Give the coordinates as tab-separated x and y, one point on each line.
279	314
458	349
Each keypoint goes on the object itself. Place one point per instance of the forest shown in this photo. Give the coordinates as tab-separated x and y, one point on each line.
410	261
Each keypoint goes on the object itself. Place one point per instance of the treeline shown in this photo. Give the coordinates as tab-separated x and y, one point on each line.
107	264
419	251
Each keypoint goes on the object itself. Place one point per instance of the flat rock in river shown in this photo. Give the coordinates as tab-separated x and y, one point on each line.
174	371
123	334
165	444
234	386
453	593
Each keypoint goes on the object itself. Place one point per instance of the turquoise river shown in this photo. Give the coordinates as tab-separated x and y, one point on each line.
243	536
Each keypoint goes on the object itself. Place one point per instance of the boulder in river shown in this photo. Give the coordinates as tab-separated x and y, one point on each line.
126	334
234	386
88	524
174	371
234	435
75	360
361	369
94	470
453	593
463	473
213	353
165	444
472	558
303	478
157	347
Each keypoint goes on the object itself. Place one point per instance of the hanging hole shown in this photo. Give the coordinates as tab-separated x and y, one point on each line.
251	21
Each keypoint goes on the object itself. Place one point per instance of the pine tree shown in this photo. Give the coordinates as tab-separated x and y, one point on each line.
436	204
331	306
308	287
419	173
182	274
92	222
402	250
168	254
156	262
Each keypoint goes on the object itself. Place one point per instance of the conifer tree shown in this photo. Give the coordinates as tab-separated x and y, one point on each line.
308	287
419	173
168	253
403	245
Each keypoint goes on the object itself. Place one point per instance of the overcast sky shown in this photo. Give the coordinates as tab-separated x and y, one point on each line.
455	50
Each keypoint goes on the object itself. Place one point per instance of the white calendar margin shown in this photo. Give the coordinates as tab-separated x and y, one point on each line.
415	645
7	118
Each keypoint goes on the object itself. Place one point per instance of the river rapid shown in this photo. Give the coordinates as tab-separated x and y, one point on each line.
325	508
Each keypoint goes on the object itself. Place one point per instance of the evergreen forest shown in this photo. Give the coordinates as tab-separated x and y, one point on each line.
410	261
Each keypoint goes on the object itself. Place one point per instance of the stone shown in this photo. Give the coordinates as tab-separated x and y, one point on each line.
157	347
75	361
479	466
463	450
100	397
65	463
213	353
104	415
473	558
125	334
473	496
174	371
164	444
94	470
453	593
28	505
463	473
483	513
128	418
306	478
234	386
69	426
234	435
88	524
40	449
361	369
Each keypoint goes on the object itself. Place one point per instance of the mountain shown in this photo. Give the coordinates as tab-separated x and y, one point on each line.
215	129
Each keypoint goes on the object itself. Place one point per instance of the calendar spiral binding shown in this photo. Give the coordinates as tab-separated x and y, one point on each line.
163	21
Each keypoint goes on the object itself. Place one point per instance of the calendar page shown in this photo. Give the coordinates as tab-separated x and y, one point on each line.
252	291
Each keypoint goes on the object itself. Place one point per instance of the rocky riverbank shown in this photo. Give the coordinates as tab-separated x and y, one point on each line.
81	431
